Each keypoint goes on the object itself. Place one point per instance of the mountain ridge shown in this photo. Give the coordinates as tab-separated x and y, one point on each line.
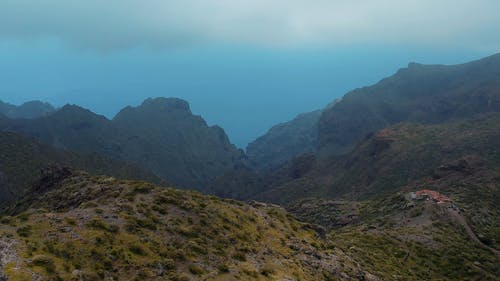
161	135
22	159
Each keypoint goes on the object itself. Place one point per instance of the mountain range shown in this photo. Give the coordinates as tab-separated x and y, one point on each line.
161	135
426	94
27	110
23	159
396	181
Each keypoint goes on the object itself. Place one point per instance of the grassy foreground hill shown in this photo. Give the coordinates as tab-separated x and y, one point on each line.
79	227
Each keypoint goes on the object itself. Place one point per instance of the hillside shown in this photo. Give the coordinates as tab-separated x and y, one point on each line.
423	94
22	159
387	160
161	135
285	141
400	237
164	136
99	228
27	110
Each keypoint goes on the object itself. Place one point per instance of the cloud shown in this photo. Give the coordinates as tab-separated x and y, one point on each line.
117	24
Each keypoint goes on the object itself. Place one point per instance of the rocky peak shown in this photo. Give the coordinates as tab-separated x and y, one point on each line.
28	110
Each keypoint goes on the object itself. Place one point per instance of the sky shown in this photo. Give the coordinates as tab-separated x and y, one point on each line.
244	65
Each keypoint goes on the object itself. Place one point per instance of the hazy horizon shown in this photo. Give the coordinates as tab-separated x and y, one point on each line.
275	101
243	65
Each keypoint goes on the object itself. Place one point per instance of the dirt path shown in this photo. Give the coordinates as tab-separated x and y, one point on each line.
463	222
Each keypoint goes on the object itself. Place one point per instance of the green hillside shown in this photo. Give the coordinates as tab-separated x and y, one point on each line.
80	227
22	159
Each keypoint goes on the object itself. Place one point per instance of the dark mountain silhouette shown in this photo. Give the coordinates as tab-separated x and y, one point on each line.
387	160
161	135
22	159
285	141
28	110
165	137
419	93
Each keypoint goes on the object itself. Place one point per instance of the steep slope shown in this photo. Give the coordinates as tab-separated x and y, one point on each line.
405	236
71	127
285	141
99	228
168	139
161	135
27	110
22	159
403	239
420	93
391	158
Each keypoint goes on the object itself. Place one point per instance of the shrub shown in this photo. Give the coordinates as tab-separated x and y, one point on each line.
223	268
99	224
138	250
45	262
267	270
24	231
196	270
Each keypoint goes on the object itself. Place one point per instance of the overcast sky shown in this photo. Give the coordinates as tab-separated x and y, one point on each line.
229	58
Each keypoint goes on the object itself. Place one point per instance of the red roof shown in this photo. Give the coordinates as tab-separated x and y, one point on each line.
436	196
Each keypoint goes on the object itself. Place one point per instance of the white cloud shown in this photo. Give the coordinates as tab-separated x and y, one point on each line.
110	24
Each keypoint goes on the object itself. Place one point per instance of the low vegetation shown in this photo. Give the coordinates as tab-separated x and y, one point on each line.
99	228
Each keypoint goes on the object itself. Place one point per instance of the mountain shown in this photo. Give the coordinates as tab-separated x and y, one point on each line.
424	94
410	202
28	110
387	160
285	141
165	137
81	227
420	93
161	135
22	159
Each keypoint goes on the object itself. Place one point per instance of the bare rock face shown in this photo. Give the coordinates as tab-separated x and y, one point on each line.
8	254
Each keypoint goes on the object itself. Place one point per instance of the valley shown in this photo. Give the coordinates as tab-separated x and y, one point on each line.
395	181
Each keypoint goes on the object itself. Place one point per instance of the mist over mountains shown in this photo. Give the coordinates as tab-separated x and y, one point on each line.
395	181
